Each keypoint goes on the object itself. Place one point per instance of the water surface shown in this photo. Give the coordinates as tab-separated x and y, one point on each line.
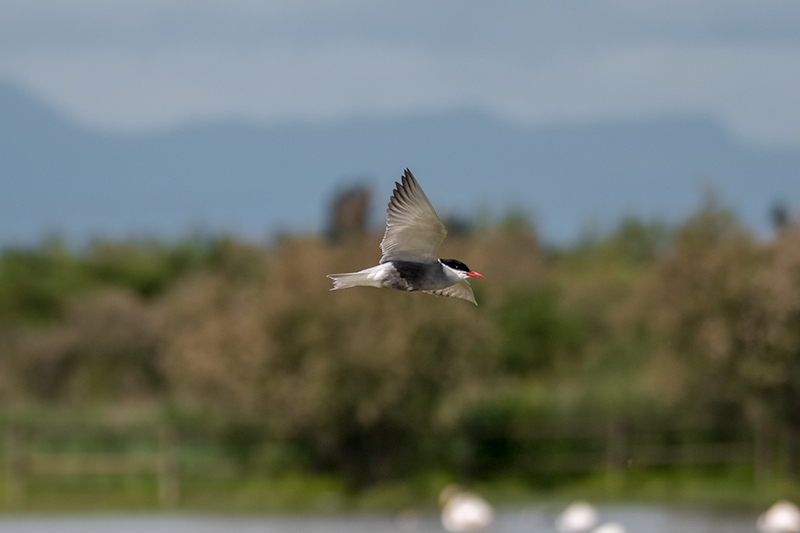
635	520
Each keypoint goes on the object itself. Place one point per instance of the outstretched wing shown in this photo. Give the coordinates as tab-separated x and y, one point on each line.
459	290
413	230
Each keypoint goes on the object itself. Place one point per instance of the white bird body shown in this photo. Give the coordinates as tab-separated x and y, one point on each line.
410	245
610	527
577	518
466	512
782	517
391	275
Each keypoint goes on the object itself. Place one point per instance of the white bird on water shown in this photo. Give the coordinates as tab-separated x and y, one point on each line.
580	517
576	518
464	512
610	527
410	245
782	517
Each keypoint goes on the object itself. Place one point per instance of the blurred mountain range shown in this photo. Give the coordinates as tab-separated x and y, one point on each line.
57	176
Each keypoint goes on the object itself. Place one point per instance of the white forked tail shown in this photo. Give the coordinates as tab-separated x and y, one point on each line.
370	277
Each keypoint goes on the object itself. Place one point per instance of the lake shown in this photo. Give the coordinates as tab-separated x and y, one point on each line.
635	519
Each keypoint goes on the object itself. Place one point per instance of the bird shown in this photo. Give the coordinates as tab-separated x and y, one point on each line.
610	527
464	512
782	517
410	245
576	518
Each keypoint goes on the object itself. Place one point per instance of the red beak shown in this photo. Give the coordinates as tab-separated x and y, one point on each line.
474	275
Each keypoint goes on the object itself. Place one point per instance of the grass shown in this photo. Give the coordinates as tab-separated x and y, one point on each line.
319	494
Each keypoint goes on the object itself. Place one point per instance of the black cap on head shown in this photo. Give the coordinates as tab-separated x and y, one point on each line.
455	264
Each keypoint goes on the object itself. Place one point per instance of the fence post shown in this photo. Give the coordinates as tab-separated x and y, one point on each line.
791	451
761	451
616	446
168	468
15	467
616	455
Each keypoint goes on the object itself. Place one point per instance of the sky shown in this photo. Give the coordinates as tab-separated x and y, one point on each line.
140	65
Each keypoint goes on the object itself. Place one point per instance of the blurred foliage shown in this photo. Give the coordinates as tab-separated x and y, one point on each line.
535	333
648	324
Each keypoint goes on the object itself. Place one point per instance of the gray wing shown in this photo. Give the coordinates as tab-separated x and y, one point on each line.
459	290
413	230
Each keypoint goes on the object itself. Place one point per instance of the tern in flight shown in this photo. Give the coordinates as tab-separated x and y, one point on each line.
410	244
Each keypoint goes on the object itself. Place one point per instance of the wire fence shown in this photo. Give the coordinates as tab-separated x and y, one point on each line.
613	448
